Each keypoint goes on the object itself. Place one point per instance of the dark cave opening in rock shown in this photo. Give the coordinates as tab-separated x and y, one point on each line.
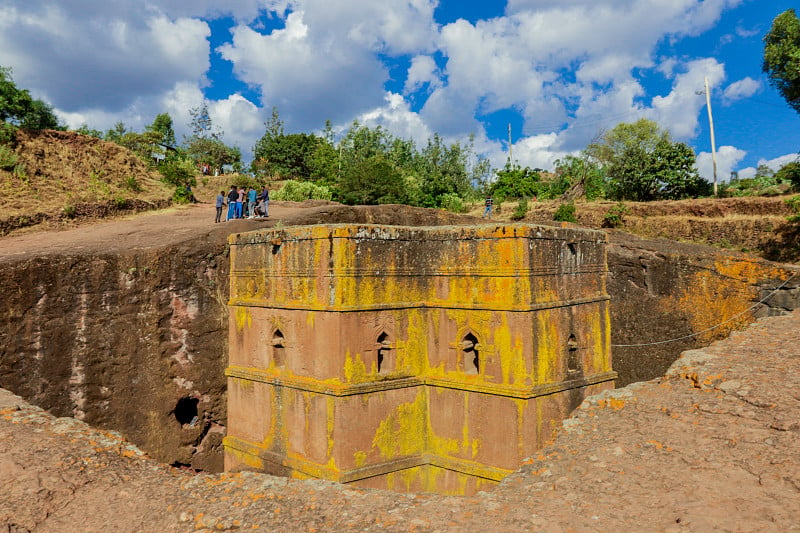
186	410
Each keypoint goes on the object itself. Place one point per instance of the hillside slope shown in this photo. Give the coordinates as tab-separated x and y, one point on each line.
61	175
750	224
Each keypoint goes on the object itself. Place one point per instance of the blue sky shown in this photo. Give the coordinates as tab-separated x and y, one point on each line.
558	71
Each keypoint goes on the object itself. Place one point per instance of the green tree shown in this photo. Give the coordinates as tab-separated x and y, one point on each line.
642	163
782	57
372	181
582	175
84	129
116	133
180	173
789	173
672	165
201	124
323	163
205	146
19	109
289	156
515	181
163	125
444	170
300	156
144	145
213	152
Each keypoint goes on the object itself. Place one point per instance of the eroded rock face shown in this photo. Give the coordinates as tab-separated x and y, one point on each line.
667	297
133	342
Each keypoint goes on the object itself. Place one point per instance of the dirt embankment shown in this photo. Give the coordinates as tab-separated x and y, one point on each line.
752	224
62	176
711	446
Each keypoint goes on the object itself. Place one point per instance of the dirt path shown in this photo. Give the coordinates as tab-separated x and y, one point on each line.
141	231
712	446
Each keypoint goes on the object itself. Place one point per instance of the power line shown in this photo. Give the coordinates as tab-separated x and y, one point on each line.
734	317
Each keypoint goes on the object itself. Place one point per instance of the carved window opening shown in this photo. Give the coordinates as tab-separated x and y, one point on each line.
469	346
573	248
278	348
383	353
276	245
573	361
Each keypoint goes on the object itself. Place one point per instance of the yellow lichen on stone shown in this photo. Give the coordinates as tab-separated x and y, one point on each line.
512	360
243	318
330	408
359	458
355	371
546	339
717	303
600	325
407	431
413	359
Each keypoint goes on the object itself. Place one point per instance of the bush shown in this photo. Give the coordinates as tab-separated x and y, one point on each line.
517	182
244	181
790	172
565	213
794	205
298	191
373	181
8	159
8	133
452	202
521	210
615	217
178	173
131	184
181	195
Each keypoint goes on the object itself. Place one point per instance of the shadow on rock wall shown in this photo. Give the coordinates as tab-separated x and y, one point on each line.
667	297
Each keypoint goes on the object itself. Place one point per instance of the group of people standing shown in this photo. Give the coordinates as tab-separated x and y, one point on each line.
243	204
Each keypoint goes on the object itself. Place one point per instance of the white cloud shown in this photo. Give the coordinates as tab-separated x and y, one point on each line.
746	33
73	58
310	74
744	88
423	71
679	110
396	117
774	164
728	157
525	61
538	151
239	119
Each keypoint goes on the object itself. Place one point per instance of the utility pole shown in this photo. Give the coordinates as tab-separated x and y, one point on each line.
711	127
510	147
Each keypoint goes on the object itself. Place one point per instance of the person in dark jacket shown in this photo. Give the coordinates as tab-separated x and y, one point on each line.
233	195
220	204
487	213
263	199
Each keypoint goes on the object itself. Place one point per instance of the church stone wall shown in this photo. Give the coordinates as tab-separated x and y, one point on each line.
416	359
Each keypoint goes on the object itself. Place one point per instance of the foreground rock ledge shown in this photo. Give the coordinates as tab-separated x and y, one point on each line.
712	445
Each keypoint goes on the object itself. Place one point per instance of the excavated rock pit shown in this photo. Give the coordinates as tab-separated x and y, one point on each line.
124	324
